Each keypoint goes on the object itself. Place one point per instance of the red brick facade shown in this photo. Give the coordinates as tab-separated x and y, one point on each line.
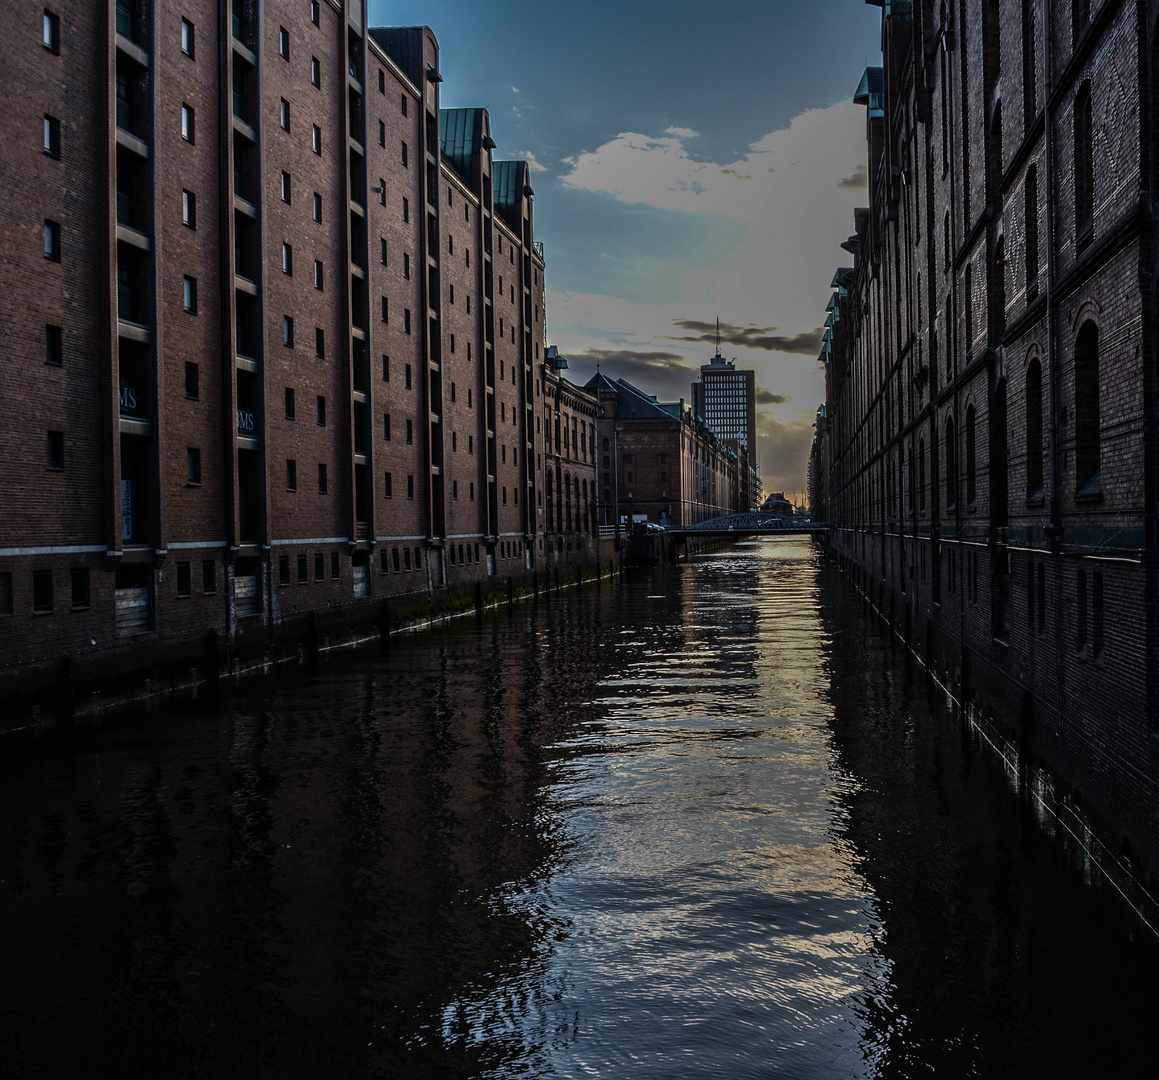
273	352
988	444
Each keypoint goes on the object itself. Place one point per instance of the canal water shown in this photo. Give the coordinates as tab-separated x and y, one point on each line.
707	822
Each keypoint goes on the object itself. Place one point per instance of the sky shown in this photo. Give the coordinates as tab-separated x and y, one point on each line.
691	162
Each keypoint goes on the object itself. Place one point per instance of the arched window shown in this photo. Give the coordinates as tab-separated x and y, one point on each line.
951	465
1029	61
567	501
1086	410
996	148
971	459
1000	285
1034	430
1080	14
1031	211
1084	178
550	504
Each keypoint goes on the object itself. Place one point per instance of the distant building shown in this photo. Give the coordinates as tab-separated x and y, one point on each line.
725	399
658	462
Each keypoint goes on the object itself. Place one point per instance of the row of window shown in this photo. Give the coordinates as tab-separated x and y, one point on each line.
292	476
304	566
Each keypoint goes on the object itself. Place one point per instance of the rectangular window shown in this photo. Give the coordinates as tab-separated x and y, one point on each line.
53	345
303	570
454	489
189	209
187	129
283	43
406	320
315	71
381	81
285	186
406	209
406	265
56	450
321	479
189	294
283	569
317	274
382	250
406	381
208	576
452	343
319	566
388	486
289	403
317	207
291	474
335	565
403	159
192	465
52	240
187	37
316	139
381	133
288	331
385	310
386	427
192	381
319	342
184	579
50	33
404	104
410	487
409	431
385	368
381	191
51	136
6	592
284	114
321	411
315	18
287	259
41	590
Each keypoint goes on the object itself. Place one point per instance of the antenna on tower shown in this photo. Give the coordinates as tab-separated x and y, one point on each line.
718	336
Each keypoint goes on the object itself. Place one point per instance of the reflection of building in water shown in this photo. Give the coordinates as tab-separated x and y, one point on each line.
286	318
990	454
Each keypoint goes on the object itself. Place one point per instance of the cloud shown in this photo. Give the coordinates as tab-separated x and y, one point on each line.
752	337
789	167
858	180
533	163
783	452
767	397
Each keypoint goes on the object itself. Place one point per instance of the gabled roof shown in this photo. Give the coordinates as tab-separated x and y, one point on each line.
509	183
871	91
462	132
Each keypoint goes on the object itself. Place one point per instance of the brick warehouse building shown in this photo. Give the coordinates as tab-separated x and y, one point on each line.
661	463
275	334
990	425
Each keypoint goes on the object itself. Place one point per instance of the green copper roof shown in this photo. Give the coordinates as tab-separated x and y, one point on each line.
461	132
507	183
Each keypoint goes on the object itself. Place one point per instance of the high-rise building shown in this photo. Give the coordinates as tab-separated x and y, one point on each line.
726	399
274	329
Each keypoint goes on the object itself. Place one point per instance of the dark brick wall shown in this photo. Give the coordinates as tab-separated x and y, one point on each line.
990	586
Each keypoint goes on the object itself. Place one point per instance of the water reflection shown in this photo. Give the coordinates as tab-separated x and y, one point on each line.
703	823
